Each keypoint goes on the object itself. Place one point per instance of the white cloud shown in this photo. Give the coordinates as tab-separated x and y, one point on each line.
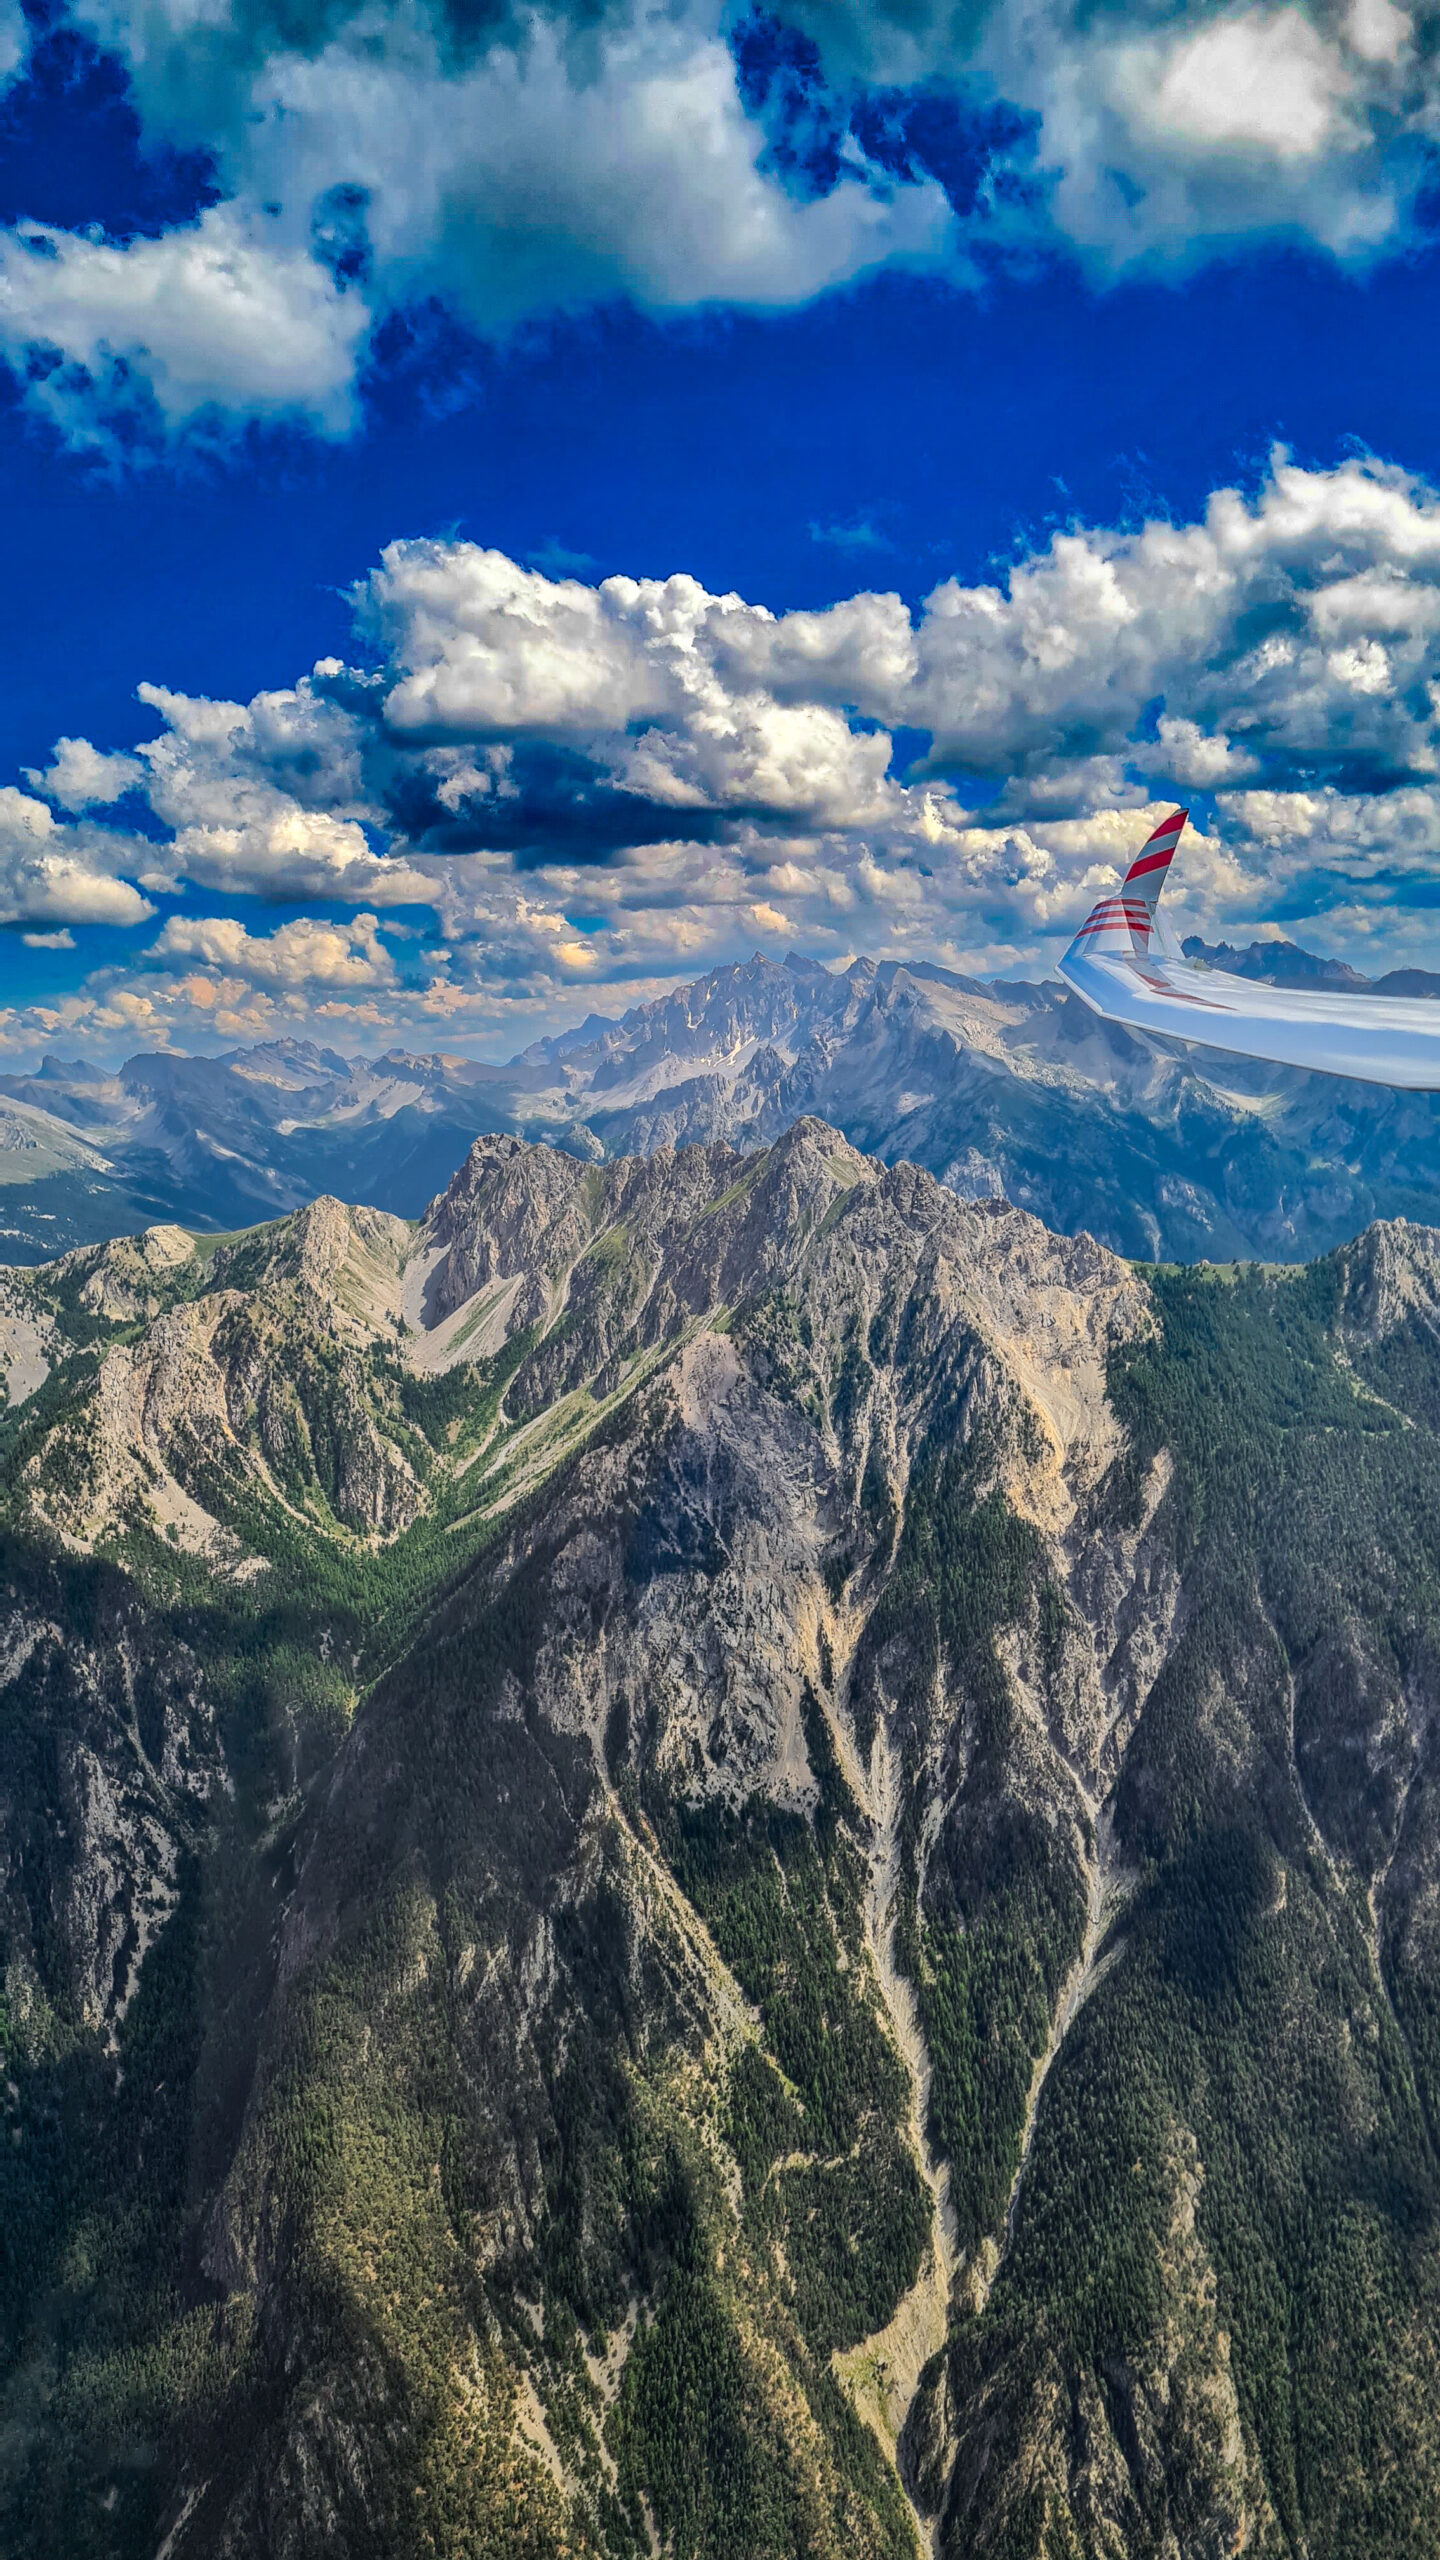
487	646
746	750
1193	760
55	875
481	645
305	953
1281	655
1265	82
535	173
693	700
1313	841
1170	133
1299	629
218	316
1377	30
1291	639
540	163
268	797
1264	625
80	777
1176	136
536	180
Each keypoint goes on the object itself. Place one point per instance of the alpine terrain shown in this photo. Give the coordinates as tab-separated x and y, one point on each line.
718	1854
1163	1151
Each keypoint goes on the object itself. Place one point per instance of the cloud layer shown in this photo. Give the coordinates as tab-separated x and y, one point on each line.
364	157
535	786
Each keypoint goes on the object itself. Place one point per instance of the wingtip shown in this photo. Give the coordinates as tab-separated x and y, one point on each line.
1177	820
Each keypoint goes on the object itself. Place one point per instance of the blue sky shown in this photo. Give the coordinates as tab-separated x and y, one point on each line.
744	481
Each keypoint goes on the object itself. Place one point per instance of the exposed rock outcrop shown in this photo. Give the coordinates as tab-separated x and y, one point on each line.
722	1854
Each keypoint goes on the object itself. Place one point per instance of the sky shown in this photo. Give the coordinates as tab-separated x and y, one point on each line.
505	509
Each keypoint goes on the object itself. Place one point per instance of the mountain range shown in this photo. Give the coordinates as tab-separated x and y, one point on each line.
999	1090
718	1854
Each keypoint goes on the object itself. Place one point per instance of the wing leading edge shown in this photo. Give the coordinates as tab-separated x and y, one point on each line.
1123	966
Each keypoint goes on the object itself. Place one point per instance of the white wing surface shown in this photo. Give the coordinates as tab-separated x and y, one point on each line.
1120	967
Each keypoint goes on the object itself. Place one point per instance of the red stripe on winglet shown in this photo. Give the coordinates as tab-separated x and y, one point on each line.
1152	861
1176	820
1113	924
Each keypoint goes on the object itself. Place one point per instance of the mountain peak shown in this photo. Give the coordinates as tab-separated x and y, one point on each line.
527	1816
1009	1088
1276	963
1392	1274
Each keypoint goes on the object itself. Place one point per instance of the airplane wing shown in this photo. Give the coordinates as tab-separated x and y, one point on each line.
1125	967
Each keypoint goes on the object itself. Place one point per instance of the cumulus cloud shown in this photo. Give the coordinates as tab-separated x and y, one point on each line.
690	700
216	316
80	777
481	645
1174	135
534	180
546	158
553	785
1167	134
209	977
1300	631
56	875
1294	632
305	953
268	797
1281	654
371	161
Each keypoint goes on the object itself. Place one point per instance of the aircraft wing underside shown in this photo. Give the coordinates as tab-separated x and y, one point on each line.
1116	966
1384	1039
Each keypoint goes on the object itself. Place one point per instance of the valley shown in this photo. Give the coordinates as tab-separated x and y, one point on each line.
691	1859
1001	1090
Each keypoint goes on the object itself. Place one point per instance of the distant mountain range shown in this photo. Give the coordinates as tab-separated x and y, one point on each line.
997	1089
1285	964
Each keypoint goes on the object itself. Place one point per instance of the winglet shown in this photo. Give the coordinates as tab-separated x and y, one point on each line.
1121	922
1147	873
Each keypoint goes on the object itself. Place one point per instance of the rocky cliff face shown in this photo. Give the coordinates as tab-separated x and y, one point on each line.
719	1854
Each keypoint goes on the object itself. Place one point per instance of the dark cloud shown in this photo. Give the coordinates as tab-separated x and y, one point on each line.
553	805
204	63
879	40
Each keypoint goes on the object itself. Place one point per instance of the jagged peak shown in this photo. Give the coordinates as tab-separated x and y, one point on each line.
496	1164
810	1146
495	1146
1392	1272
346	1259
327	1230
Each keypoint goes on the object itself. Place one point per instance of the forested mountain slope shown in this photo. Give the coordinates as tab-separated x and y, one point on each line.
718	1854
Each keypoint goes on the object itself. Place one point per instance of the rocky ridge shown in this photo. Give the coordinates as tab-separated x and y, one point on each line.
997	1089
770	1881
